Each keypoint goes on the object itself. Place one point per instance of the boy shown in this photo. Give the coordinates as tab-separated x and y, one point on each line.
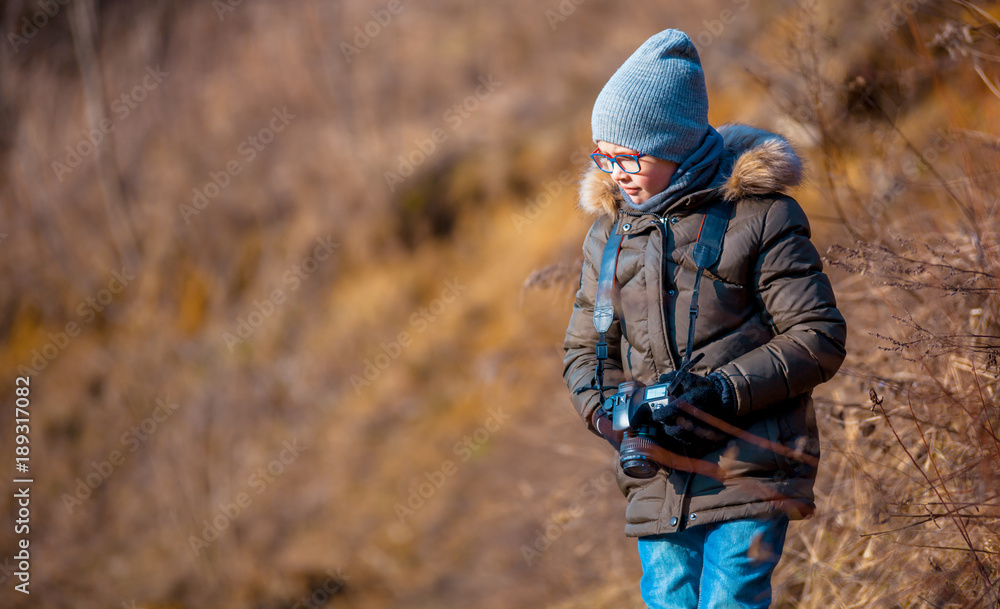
711	523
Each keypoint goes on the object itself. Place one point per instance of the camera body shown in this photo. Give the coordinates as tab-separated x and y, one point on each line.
636	404
639	410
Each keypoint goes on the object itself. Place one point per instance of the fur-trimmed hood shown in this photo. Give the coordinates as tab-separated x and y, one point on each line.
763	162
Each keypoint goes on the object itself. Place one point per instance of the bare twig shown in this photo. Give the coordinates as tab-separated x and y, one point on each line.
82	26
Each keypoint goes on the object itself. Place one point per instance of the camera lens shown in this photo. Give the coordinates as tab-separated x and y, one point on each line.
634	456
639	467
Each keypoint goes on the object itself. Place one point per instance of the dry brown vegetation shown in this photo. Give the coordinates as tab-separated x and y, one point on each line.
425	349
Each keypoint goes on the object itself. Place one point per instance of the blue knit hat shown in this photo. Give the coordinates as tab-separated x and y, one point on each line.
656	102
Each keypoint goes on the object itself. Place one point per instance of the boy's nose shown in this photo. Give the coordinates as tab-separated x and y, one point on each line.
618	174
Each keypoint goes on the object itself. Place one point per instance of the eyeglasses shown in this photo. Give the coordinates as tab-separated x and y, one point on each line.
629	163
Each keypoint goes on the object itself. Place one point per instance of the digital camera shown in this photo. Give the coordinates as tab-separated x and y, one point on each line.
639	411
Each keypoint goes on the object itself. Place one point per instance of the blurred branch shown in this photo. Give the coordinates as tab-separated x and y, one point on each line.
983	401
969	549
976	9
983	572
815	81
966	209
993	87
82	25
887	267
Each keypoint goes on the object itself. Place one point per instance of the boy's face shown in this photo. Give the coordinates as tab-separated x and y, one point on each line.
653	177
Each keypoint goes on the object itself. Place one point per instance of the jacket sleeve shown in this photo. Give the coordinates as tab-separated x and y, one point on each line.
580	363
798	301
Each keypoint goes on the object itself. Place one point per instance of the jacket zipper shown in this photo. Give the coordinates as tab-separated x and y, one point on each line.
661	221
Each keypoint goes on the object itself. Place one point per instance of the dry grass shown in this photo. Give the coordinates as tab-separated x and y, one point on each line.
911	514
497	345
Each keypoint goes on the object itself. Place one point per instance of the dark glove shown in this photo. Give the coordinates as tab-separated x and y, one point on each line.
711	393
687	433
602	423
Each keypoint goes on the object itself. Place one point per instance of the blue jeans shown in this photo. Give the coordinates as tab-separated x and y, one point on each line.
724	565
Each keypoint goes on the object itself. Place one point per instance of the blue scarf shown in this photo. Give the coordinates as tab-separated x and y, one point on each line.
700	170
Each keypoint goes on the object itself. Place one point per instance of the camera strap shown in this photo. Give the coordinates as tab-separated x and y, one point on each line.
706	253
604	308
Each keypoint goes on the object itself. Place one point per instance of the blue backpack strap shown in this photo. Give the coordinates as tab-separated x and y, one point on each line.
706	253
604	308
713	228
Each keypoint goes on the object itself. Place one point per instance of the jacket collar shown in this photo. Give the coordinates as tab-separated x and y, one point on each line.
762	163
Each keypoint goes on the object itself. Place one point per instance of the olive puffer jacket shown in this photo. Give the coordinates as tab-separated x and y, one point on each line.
768	321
